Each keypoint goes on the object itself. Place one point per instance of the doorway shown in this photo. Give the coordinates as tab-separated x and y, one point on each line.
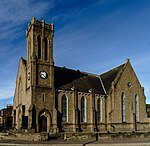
45	121
43	124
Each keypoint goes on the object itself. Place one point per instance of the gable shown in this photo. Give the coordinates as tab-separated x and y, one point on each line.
128	76
127	83
21	78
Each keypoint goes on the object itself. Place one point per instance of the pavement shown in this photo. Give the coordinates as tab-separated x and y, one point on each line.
77	143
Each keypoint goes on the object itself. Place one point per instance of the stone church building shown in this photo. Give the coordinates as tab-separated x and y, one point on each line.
55	99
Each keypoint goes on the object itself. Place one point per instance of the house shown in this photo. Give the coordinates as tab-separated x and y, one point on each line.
1	123
6	118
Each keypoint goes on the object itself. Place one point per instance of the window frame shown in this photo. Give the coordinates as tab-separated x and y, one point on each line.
136	98
45	41
64	103
99	110
83	109
39	47
123	107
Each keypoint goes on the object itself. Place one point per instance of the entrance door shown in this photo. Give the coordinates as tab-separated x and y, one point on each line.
43	124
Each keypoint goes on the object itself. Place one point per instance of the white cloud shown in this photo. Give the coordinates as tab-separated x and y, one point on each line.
6	91
15	12
21	10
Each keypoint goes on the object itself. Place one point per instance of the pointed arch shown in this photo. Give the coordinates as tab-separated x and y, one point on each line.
20	90
39	47
44	120
29	49
45	49
64	108
123	107
99	110
83	109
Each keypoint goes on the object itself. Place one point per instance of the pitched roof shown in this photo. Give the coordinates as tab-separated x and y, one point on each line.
108	77
65	79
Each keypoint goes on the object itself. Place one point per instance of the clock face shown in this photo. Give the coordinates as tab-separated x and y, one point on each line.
43	74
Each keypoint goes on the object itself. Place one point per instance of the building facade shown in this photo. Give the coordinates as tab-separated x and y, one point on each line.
1	123
53	99
6	118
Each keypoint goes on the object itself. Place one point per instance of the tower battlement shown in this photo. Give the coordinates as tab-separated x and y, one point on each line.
34	22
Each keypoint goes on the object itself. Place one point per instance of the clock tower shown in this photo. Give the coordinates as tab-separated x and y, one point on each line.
40	76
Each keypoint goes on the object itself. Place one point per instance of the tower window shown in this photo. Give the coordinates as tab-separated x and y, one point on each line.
29	49
83	109
45	49
64	109
39	47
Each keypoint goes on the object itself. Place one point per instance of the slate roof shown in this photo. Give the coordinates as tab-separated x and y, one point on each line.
65	79
109	77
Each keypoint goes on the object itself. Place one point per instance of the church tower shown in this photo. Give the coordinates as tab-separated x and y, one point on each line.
40	76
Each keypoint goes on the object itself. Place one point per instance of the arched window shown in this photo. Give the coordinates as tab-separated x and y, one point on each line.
45	49
14	117
83	109
64	109
123	107
137	108
99	110
39	46
20	92
29	49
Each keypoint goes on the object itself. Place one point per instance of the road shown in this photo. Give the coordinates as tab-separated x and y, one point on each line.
77	143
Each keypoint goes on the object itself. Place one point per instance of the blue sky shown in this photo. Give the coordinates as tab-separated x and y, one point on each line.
92	36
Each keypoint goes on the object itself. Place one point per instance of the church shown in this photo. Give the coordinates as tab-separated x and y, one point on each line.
56	99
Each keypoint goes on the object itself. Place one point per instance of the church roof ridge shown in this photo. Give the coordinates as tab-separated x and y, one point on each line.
84	72
119	66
